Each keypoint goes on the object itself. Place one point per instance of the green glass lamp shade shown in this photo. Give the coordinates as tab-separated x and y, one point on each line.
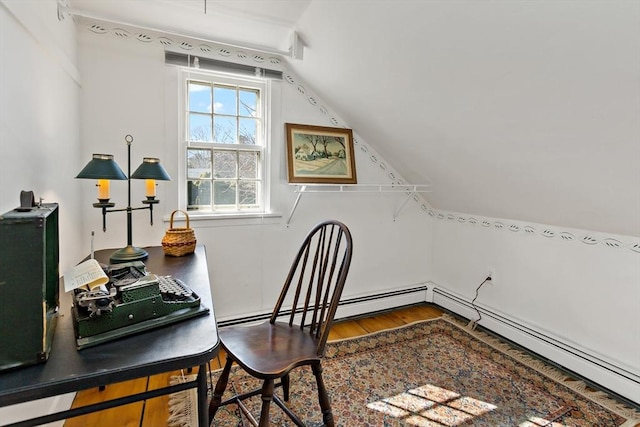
102	166
151	169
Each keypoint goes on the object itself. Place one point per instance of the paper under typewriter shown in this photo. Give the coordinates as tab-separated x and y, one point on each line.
132	301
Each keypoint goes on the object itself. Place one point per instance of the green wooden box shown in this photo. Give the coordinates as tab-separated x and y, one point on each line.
29	284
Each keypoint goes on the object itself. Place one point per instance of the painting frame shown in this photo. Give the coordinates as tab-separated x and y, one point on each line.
320	155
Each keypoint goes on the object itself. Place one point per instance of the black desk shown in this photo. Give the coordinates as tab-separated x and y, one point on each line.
192	342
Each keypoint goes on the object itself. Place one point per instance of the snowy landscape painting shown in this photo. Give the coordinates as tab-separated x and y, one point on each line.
321	155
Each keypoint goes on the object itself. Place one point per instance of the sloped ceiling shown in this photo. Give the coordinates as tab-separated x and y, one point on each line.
524	110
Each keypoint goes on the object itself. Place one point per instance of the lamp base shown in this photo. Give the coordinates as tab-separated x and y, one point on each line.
126	254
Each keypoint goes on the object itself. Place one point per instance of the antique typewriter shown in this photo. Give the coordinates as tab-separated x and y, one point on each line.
131	302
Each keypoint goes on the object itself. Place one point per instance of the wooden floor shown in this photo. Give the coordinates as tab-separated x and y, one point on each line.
154	412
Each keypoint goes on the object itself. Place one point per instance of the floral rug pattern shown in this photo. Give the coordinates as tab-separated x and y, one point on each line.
434	373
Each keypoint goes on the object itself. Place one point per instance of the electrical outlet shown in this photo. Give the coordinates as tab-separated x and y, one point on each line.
491	272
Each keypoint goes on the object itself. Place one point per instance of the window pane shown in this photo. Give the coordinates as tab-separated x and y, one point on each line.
198	193
224	193
248	193
225	129
224	164
225	100
200	127
198	163
248	103
248	131
248	167
199	97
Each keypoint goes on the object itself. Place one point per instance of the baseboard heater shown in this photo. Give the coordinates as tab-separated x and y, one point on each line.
344	303
444	299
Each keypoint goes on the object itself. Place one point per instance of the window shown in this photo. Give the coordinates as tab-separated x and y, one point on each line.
225	149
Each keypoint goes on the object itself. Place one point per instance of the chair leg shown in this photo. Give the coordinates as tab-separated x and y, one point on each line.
221	386
285	387
323	397
267	395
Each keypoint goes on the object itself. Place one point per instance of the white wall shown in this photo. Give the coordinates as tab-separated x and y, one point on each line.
127	89
39	129
576	286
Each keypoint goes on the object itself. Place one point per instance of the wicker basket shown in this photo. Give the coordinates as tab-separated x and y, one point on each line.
179	241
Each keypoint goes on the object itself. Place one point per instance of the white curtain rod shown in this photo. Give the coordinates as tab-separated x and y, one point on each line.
295	50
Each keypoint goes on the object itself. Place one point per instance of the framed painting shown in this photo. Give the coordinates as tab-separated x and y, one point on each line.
320	155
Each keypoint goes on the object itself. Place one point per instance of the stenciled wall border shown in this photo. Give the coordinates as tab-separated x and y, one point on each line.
249	57
179	43
586	237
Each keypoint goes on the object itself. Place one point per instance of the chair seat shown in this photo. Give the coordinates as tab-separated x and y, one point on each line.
269	350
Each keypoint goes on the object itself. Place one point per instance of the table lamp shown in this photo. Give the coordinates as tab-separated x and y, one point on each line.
103	168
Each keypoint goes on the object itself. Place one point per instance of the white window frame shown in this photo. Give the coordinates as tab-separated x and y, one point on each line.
264	85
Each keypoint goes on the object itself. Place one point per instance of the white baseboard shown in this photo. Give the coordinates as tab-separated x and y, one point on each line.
382	301
592	366
37	408
352	306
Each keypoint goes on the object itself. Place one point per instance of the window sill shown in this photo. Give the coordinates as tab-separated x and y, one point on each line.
202	219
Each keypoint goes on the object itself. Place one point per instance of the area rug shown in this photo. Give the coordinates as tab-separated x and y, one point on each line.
432	373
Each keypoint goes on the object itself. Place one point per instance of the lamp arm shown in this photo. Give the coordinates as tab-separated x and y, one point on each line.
129	209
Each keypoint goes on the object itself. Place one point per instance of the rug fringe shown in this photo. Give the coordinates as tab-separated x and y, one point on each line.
580	387
181	410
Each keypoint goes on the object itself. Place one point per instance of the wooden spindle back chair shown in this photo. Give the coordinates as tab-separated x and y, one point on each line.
308	303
